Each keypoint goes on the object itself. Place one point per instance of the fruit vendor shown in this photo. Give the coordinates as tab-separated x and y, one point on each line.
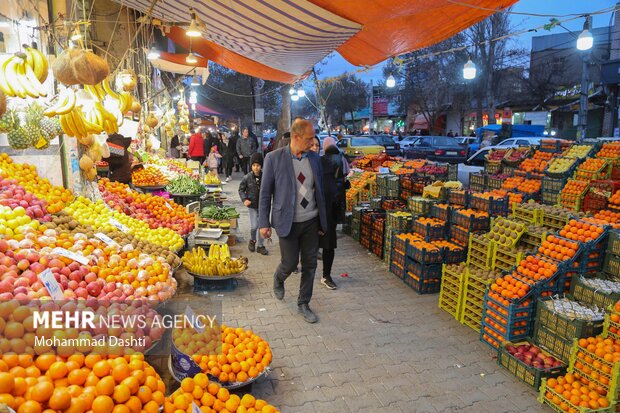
292	192
120	158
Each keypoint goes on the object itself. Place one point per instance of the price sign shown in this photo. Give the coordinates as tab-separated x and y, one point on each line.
103	237
118	225
50	283
189	315
384	170
168	205
71	255
195	408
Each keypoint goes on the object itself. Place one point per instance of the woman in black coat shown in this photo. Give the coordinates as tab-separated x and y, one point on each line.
335	169
229	150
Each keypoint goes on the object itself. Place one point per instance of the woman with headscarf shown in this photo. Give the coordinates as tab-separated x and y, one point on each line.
335	170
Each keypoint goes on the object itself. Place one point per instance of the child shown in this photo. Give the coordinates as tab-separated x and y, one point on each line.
249	189
213	160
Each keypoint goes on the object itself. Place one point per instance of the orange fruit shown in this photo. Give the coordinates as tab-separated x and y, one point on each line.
42	392
60	400
106	386
134	404
144	394
103	404
58	370
132	383
187	385
223	394
120	372
101	368
7	382
121	393
30	406
121	408
151	407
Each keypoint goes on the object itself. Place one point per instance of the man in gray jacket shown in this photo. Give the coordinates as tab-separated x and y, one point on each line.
246	146
292	191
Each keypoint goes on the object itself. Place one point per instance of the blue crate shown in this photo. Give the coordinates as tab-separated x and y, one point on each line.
397	270
422	286
423	270
454	257
203	286
494	206
470	222
423	255
430	233
443	214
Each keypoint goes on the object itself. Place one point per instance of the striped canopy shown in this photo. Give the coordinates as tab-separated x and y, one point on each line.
282	40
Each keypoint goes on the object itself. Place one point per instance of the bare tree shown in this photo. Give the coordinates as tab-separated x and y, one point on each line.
284	122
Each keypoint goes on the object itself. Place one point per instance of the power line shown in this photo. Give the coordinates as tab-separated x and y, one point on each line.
498	10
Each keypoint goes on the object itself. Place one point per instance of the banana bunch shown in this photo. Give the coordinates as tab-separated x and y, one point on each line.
22	74
100	91
212	179
64	103
197	262
220	252
100	116
74	123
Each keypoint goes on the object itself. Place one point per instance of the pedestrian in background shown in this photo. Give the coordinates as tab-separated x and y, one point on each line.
233	142
316	145
196	151
213	160
228	156
249	191
335	170
174	147
246	146
292	202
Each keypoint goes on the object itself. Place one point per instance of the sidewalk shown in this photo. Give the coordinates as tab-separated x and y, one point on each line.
378	346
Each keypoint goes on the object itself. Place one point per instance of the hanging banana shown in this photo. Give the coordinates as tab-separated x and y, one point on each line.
18	77
64	103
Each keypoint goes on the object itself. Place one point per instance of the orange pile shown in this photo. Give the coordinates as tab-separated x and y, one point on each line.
447	245
558	248
26	175
512	182
534	268
210	397
530	186
581	231
244	355
473	213
433	222
149	176
592	164
80	384
510	288
574	189
608	217
609	150
570	394
615	199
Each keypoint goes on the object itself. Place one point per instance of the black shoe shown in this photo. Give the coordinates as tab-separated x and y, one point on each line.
262	250
329	283
278	288
252	245
309	316
319	256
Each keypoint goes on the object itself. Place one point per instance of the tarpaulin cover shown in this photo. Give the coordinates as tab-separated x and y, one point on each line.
282	40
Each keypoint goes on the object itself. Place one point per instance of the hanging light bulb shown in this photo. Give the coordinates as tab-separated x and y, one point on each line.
193	93
193	100
585	41
390	81
469	70
153	53
76	35
191	59
295	97
301	93
292	91
195	81
192	30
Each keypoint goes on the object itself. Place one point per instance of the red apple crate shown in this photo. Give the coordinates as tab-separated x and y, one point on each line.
564	326
528	374
542	398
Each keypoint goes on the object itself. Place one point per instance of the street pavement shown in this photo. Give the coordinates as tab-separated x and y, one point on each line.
379	346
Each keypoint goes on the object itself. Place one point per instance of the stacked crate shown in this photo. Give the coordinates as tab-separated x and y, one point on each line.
477	181
369	219
452	280
397	221
476	283
506	321
397	255
551	188
612	257
423	266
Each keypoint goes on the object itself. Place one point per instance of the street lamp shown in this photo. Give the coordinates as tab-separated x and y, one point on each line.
390	81
301	93
469	70
584	43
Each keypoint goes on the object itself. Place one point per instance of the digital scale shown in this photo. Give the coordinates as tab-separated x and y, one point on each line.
204	237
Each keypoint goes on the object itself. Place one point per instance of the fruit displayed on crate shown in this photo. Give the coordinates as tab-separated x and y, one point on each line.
209	396
592	165
430	228
510	287
240	356
574	189
512	182
572	310
506	232
212	180
223	213
610	150
569	393
149	176
496	154
577	151
615	199
532	355
529	186
517	154
582	231
601	285
217	263
608	217
533	269
558	248
560	165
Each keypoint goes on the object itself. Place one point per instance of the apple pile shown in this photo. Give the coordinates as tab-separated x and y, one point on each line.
434	169
496	155
14	196
533	356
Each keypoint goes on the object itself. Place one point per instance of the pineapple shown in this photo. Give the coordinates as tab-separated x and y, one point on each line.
36	127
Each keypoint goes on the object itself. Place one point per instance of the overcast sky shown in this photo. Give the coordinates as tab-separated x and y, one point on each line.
335	65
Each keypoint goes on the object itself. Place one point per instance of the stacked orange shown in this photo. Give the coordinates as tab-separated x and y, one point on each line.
473	213
512	182
535	268
433	222
615	199
510	288
571	394
79	384
415	164
149	176
609	150
574	189
26	175
582	231
608	217
592	164
530	186
244	355
421	244
442	243
210	397
558	248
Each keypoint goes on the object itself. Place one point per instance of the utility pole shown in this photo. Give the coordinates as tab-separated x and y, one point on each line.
259	112
582	126
370	118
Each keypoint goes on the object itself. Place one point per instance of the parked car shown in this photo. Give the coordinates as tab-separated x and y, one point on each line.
437	148
479	157
391	148
406	142
470	142
358	146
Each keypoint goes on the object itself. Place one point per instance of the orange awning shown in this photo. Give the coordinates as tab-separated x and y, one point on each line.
282	40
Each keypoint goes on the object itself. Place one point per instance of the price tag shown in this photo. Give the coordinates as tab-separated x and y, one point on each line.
168	205
384	170
103	237
71	255
118	225
195	408
189	315
50	283
128	190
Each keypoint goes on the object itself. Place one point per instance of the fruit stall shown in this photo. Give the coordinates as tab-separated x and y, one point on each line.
527	256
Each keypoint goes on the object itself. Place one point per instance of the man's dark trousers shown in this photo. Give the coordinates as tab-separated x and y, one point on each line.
303	239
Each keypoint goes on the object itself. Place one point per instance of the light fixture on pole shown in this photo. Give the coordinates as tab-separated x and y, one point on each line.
153	53
585	41
76	35
195	81
292	91
192	30
469	70
295	97
390	81
301	93
191	59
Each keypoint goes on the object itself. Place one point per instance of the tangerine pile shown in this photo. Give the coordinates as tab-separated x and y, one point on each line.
570	394
530	186
559	249
592	164
574	189
615	198
149	176
535	268
582	231
210	397
244	355
608	217
510	287
609	150
79	384
512	182
433	222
